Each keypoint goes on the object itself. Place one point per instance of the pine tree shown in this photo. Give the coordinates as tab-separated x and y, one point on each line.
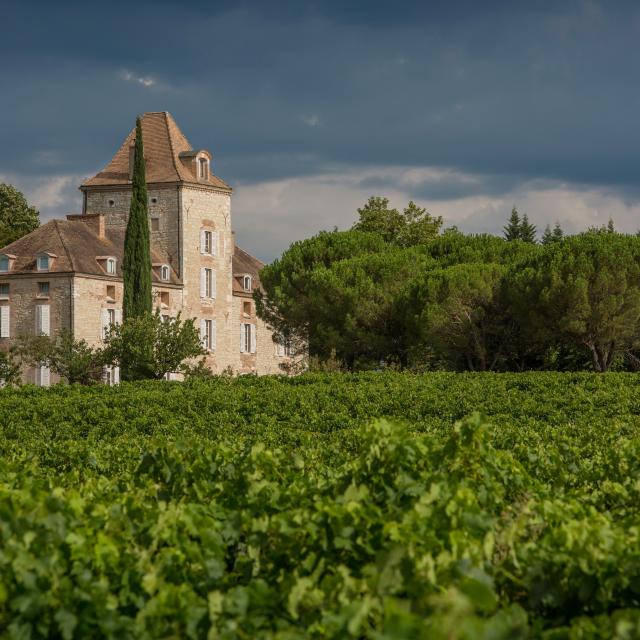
610	226
547	236
512	228
558	233
136	266
527	230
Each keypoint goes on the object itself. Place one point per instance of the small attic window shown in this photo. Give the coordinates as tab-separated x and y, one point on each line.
246	283
165	272
4	264
203	168
154	200
43	263
111	265
112	203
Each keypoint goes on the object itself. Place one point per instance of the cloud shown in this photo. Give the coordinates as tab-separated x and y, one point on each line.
269	216
311	120
145	81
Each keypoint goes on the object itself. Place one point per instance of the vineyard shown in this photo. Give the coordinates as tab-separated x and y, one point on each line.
379	505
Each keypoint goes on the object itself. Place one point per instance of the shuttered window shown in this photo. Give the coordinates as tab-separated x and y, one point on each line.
43	376
5	315
247	338
42	320
207	283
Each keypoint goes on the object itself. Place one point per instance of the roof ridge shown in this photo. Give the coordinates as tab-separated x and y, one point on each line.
64	244
173	151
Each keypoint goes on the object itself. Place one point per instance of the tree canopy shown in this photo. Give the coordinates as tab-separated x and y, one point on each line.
17	217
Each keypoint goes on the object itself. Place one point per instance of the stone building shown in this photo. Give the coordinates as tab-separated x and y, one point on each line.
67	273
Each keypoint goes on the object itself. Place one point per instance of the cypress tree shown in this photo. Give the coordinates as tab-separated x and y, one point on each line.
512	228
136	266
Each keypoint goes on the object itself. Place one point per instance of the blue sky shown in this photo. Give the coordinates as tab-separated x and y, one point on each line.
310	107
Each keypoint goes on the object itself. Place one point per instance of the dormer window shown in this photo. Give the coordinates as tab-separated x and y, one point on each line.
203	168
165	272
246	283
4	264
111	265
43	262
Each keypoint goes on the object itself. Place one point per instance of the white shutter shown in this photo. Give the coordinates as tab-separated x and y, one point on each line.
42	320
213	283
213	335
214	243
253	338
203	333
104	322
280	347
118	321
203	283
4	322
241	337
43	376
203	241
116	375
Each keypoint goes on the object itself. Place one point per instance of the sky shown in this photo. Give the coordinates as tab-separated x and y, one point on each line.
468	108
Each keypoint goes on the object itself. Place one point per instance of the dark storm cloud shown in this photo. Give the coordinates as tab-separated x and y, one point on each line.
510	91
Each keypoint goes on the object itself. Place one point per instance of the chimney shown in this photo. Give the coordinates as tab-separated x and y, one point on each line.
95	221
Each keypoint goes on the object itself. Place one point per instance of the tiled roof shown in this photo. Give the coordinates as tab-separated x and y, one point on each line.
76	246
245	264
163	144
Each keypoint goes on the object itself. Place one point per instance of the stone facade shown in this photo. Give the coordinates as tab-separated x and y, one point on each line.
191	233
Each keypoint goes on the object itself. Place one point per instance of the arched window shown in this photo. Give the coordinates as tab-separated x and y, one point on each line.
164	272
111	265
246	283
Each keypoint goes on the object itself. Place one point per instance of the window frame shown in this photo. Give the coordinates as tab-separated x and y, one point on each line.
40	293
5	259
247	278
43	257
6	296
164	268
111	263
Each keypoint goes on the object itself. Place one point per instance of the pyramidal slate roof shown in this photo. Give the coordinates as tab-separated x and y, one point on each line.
167	154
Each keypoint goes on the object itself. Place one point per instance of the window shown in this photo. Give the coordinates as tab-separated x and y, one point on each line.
209	243
5	317
111	375
154	200
164	299
111	265
155	224
246	308
283	347
43	289
246	283
247	338
111	292
43	327
207	283
110	317
208	334
4	291
112	203
43	263
4	264
164	272
203	169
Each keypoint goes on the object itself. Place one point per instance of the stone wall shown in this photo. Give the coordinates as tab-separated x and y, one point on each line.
23	299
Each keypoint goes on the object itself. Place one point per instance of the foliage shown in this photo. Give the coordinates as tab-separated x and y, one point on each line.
150	346
414	226
585	291
10	369
136	265
17	218
519	228
323	506
552	236
71	359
